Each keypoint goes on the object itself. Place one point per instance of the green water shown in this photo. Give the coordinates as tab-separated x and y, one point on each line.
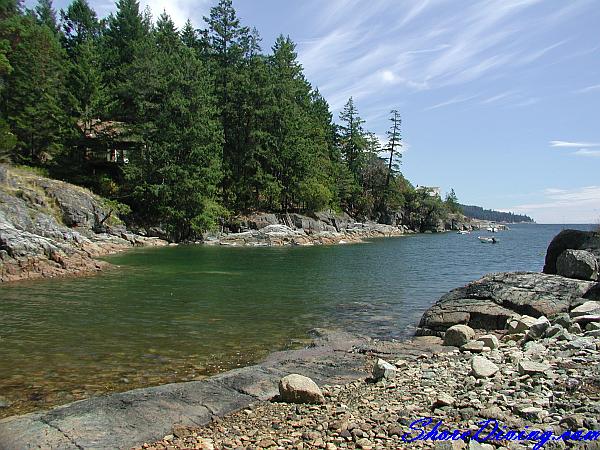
181	313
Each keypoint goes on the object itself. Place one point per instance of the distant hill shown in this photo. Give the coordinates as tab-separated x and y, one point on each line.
477	212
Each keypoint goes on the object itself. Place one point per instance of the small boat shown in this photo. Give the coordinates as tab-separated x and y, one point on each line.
492	229
487	240
463	232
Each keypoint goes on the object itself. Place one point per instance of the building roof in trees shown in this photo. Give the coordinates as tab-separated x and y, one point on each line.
107	130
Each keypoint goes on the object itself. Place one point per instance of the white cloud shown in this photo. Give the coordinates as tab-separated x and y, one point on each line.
579	205
388	76
179	10
588	152
428	45
452	101
571	144
595	87
498	97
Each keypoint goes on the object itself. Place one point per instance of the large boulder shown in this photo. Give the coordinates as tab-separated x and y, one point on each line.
579	264
593	293
458	335
488	303
296	388
570	239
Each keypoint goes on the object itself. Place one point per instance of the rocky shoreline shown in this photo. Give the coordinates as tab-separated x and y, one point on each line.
50	228
533	362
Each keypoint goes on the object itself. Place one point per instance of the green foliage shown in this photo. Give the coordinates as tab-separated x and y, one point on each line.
8	141
125	33
477	212
210	124
451	202
117	207
79	25
314	194
34	98
425	210
174	175
38	171
46	15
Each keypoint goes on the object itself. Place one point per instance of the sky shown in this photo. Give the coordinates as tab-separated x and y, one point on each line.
499	98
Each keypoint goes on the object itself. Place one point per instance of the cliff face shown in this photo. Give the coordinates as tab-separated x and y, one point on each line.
50	228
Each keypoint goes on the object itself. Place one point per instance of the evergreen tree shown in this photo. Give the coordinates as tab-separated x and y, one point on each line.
125	33
79	25
451	202
46	15
352	144
85	82
352	136
189	36
226	38
33	100
174	175
394	143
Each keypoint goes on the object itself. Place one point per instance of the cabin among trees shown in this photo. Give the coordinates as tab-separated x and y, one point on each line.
106	141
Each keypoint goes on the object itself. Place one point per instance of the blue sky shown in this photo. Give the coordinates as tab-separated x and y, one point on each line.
499	98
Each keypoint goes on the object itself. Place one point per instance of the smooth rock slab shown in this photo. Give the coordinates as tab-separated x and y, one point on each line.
483	367
297	388
127	418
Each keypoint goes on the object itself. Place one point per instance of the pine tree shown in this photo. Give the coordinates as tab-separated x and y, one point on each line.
79	24
394	143
125	33
352	136
46	15
33	100
226	39
174	175
189	35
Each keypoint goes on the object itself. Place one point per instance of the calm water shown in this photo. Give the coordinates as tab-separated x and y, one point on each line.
184	312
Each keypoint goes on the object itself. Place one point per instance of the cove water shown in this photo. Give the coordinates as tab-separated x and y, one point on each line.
181	313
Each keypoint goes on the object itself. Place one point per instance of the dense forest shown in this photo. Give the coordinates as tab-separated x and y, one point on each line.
186	127
477	212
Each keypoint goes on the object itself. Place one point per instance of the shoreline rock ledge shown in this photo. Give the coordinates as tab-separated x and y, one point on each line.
50	228
569	280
